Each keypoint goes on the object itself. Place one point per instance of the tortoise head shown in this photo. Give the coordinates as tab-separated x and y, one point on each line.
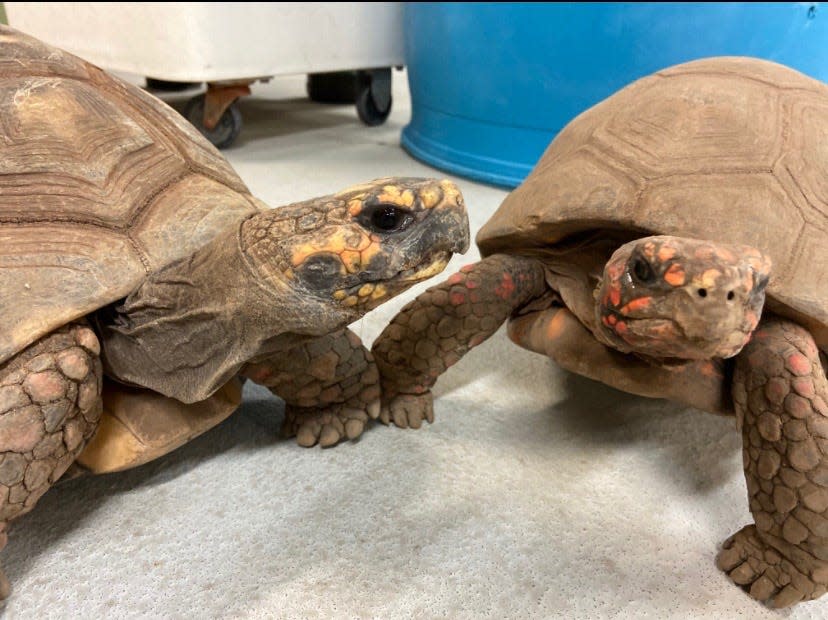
670	297
359	247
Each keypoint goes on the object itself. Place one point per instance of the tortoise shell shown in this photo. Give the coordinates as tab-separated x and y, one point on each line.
726	149
100	184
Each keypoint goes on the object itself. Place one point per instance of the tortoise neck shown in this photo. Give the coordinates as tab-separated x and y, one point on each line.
190	326
574	267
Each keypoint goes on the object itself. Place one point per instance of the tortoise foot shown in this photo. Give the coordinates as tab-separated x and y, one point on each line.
408	410
766	574
328	426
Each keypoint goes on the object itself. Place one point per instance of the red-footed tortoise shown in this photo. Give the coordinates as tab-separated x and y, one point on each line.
637	252
140	282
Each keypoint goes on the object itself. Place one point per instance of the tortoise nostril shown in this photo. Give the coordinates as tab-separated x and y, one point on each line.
702	292
730	295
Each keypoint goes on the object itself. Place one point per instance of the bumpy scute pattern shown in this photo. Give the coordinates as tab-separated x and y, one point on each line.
330	386
98	183
781	397
750	128
50	406
437	329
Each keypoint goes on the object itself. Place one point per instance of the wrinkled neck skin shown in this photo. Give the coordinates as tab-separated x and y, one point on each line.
574	269
191	326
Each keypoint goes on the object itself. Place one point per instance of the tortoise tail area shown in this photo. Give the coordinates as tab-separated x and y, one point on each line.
439	327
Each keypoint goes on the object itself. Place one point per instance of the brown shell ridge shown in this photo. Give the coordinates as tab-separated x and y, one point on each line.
689	68
786	89
156	130
140	252
816	222
620	160
713	172
139	214
596	149
63	220
111	187
167	139
172	141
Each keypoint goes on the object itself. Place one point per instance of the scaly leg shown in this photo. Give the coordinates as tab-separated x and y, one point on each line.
330	386
50	404
780	392
443	324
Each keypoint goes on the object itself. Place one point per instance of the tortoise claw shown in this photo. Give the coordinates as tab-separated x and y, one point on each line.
326	427
408	410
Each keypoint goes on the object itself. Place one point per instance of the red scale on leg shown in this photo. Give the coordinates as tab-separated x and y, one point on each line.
506	288
782	558
798	364
463	312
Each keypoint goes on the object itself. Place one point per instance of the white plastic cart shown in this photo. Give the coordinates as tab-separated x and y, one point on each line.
346	48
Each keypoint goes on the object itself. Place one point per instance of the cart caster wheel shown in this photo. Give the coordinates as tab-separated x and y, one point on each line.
227	129
373	101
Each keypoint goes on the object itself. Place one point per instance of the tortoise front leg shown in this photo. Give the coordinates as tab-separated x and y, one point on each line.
50	405
556	332
443	324
780	392
330	386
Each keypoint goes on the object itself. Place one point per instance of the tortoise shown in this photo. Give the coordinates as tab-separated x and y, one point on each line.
141	283
638	252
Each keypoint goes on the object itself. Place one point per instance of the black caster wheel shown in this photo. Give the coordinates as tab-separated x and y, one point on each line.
333	87
227	129
170	86
373	101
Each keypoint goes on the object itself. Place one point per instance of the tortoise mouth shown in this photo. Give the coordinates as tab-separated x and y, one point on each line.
368	295
665	338
430	266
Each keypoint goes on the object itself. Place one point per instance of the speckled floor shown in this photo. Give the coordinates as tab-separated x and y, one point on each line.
535	494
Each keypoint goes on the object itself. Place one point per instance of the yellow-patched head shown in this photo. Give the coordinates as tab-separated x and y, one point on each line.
363	245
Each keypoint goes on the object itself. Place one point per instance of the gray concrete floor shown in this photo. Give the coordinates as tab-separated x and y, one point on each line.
535	494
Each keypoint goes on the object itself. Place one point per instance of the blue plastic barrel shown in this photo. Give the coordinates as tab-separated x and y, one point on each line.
493	83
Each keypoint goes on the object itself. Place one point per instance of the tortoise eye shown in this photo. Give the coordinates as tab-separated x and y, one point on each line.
642	271
385	218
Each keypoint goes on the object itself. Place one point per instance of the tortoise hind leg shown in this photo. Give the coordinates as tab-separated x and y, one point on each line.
330	386
49	408
780	393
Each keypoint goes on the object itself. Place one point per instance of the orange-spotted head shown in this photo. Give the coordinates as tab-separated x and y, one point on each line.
358	248
670	297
